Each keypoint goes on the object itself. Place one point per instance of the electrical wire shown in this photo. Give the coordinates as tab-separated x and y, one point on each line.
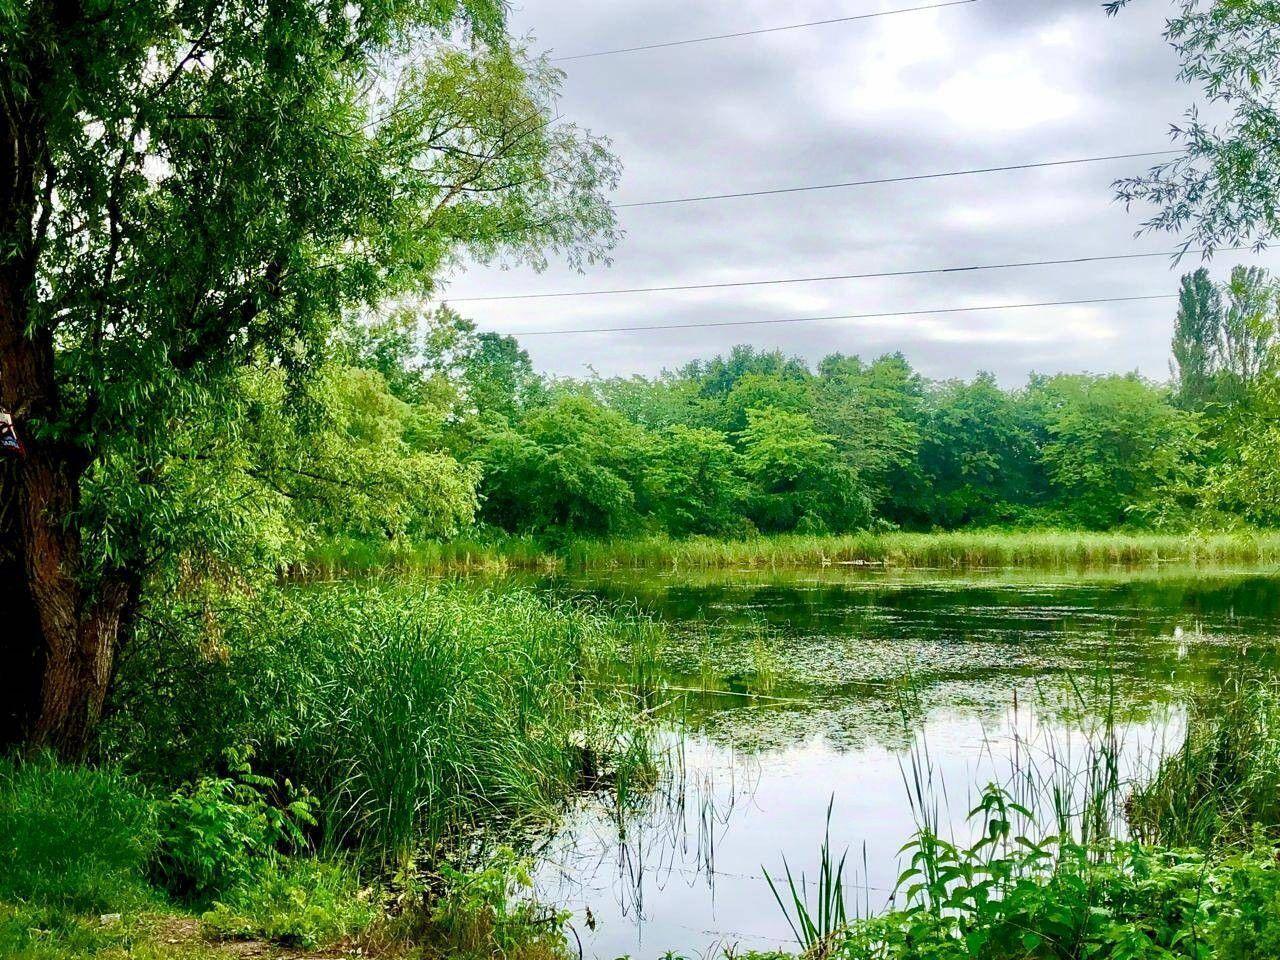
938	311
753	33
900	179
671	288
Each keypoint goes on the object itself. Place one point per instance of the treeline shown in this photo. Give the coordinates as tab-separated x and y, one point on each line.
432	427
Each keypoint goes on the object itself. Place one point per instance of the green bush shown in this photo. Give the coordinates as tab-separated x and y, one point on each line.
219	832
73	838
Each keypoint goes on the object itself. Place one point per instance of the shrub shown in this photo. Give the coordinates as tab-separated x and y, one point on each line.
221	831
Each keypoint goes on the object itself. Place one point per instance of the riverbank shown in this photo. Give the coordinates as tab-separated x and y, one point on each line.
900	549
337	767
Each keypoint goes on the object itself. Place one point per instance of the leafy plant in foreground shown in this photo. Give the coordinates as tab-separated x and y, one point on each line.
219	831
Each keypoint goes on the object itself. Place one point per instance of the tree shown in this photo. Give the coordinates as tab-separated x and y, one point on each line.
1246	483
798	482
693	481
1114	444
498	377
190	188
759	391
1221	190
571	466
1248	331
874	413
977	455
1197	329
719	375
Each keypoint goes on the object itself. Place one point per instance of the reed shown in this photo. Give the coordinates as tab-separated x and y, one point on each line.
963	548
412	712
1222	786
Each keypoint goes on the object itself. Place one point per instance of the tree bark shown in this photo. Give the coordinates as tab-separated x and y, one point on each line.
62	632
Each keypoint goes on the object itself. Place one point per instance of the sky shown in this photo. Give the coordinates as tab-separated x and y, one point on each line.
989	83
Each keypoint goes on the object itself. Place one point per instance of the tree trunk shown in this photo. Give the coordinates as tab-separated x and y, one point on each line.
60	650
60	638
58	634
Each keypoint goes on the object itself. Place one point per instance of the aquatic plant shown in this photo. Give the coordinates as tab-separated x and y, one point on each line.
814	925
412	712
1222	785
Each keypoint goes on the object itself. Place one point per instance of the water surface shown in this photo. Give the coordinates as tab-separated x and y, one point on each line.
789	692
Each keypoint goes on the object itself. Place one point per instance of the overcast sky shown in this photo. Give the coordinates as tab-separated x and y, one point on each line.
989	83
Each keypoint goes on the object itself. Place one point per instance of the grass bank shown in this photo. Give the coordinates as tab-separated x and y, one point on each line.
963	548
322	765
945	549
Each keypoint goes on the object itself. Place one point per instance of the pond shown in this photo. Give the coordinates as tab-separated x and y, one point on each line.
876	698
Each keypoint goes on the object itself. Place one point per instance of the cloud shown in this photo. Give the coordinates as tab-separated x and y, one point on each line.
989	83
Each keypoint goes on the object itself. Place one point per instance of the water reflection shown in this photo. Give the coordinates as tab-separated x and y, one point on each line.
846	689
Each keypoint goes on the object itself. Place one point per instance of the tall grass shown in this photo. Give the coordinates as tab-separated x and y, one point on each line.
957	548
412	712
1223	784
962	548
353	556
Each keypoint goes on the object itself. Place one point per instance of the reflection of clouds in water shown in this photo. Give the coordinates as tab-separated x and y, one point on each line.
686	870
1005	677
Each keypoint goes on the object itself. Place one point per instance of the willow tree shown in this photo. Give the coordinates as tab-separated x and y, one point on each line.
190	187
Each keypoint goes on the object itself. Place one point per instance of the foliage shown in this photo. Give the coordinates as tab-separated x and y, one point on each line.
978	454
797	482
694	481
484	911
1007	895
571	465
219	832
1112	444
1219	192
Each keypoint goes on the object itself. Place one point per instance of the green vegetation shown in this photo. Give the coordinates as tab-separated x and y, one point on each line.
218	227
410	713
1220	786
969	548
1201	879
418	718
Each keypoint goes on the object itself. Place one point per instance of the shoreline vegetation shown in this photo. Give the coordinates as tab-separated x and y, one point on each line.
324	767
958	549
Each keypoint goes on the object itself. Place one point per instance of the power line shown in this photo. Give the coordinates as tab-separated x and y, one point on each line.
752	33
844	316
901	179
670	288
